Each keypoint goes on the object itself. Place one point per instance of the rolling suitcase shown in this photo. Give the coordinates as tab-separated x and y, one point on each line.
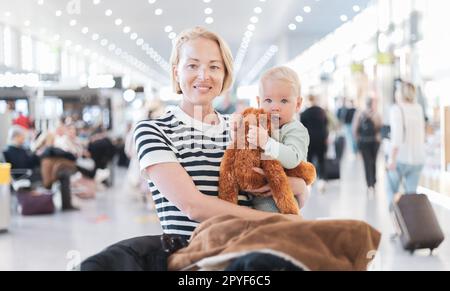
416	223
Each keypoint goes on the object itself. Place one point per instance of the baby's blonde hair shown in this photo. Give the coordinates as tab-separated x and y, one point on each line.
195	33
283	74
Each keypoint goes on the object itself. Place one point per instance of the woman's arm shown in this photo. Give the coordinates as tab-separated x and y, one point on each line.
178	187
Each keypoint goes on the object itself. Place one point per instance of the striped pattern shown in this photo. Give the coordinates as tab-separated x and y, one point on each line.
198	150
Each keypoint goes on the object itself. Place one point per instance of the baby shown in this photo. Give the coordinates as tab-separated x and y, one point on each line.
280	95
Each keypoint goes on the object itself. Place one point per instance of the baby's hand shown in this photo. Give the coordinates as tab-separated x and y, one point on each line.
258	136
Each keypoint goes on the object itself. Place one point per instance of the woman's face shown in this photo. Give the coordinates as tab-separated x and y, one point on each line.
200	71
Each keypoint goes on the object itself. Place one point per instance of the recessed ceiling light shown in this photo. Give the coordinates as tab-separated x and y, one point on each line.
73	22
206	1
126	29
58	13
292	26
118	21
140	42
158	11
209	20
40	2
257	10
95	36
84	30
151	1
356	8
27	23
96	2
104	42
208	11
307	9
251	27
133	36
254	19
344	18
168	28
299	18
108	12
172	35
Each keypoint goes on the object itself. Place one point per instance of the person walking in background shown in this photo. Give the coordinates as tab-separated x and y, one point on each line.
349	114
407	155
316	121
366	129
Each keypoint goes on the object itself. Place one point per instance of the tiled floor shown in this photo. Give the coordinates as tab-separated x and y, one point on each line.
58	241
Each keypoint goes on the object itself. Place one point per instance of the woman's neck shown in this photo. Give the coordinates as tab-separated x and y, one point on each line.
205	114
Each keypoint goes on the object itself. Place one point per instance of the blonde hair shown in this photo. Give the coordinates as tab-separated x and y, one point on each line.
283	74
408	91
195	33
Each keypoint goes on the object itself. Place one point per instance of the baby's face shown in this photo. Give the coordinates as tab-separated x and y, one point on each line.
279	99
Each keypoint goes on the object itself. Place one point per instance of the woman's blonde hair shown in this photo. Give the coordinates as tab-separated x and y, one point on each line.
283	74
195	33
408	92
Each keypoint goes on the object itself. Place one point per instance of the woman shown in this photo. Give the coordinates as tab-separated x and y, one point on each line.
366	130
407	156
180	154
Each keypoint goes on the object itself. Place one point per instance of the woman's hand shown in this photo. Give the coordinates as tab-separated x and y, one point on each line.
298	186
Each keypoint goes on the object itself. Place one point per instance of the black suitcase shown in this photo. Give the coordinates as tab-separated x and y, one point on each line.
332	169
416	223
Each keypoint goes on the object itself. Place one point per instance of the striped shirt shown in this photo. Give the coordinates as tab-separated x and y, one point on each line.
197	147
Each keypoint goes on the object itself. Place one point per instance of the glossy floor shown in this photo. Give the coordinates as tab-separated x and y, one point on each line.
56	242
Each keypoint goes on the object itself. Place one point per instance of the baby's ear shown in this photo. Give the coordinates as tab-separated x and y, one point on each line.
299	103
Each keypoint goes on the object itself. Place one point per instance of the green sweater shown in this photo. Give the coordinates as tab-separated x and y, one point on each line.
291	145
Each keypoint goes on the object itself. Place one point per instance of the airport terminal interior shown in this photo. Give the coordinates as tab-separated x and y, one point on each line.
88	88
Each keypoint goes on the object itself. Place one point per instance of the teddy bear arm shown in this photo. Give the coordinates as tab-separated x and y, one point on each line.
305	171
228	184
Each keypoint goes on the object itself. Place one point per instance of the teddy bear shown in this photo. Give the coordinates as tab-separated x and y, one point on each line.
236	168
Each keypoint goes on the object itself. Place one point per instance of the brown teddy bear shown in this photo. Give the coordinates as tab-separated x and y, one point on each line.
236	169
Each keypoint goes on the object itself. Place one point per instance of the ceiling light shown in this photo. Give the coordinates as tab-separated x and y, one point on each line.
40	2
133	36
58	13
108	12
95	36
151	1
344	18
254	19
140	42
206	1
73	22
118	21
292	26
126	29
85	30
209	20
251	27
299	18
104	42
307	9
96	2
168	28
27	23
158	11
172	35
356	8
208	11
257	10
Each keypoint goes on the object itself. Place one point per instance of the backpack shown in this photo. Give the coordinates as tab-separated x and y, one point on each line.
366	129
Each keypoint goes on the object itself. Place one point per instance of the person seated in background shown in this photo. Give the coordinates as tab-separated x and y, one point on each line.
18	155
